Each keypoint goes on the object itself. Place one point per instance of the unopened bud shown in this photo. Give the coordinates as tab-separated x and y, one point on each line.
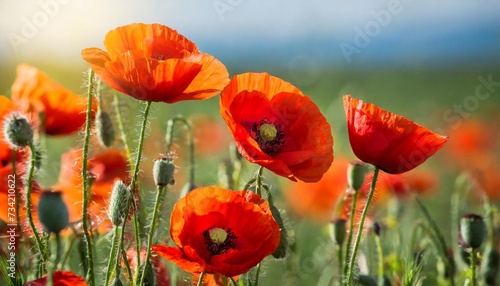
376	228
163	171
473	230
367	280
338	230
52	212
356	173
18	131
118	203
104	128
280	251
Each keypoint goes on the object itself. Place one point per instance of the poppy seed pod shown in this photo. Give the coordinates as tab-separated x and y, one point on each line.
473	230
104	128
118	202
338	230
356	173
163	171
18	131
52	212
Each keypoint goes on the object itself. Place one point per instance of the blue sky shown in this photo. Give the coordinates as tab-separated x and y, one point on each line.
280	32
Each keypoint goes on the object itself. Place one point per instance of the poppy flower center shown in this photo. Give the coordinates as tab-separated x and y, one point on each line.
268	135
219	240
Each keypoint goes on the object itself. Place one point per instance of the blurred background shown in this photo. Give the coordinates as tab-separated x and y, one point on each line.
435	62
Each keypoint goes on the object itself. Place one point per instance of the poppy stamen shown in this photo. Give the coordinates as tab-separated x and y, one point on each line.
219	240
269	136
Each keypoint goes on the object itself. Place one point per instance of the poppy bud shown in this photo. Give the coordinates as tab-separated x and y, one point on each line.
52	212
367	280
280	251
163	171
473	230
356	173
376	228
491	261
104	128
338	230
18	131
118	203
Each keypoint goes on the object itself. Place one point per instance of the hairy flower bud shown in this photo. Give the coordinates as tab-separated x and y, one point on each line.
356	173
118	203
52	212
104	128
338	230
163	171
473	230
18	131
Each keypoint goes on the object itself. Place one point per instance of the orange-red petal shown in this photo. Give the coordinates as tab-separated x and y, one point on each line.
34	92
155	63
59	278
305	152
387	140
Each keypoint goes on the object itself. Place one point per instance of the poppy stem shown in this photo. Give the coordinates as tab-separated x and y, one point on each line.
86	188
258	181
473	257
257	274
131	202
159	196
29	187
169	139
200	280
352	259
351	229
380	255
112	254
448	260
234	282
123	134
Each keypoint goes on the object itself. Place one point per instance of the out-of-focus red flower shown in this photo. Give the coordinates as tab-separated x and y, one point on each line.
403	185
387	140
34	92
59	278
318	200
105	168
153	62
210	137
276	126
162	276
219	231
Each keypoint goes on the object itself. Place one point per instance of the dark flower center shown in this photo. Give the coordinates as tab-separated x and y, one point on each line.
219	240
268	135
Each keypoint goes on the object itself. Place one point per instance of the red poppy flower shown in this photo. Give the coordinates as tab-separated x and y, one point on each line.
105	168
155	63
219	231
60	278
34	92
276	126
387	140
